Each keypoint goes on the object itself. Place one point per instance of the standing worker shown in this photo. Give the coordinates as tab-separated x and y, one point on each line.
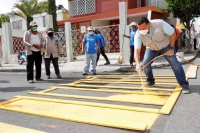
159	37
102	44
33	41
133	27
53	49
90	45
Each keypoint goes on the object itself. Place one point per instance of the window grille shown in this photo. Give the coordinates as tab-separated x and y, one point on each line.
80	7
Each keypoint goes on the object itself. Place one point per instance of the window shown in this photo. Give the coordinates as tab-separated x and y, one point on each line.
80	7
17	24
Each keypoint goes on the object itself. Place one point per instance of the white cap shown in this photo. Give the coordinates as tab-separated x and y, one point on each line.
89	28
33	23
133	23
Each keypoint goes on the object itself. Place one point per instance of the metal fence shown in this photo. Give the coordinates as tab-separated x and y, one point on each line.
110	34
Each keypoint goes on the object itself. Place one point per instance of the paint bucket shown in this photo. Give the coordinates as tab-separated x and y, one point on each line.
180	54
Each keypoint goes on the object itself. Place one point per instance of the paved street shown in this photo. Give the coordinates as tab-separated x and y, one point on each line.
185	117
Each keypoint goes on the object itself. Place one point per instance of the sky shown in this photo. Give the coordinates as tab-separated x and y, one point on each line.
6	5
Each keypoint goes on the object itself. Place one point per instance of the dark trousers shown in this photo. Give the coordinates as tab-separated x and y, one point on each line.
47	62
195	43
131	54
36	58
102	52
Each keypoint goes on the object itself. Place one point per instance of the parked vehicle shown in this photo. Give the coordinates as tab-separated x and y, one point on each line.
21	57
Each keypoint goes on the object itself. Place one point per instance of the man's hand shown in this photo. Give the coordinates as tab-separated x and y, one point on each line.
41	46
60	55
99	51
170	52
36	46
124	35
138	69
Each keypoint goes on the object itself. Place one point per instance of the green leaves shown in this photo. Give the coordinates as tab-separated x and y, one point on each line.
30	7
3	18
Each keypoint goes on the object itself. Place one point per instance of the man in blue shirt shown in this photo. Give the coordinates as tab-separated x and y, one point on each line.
133	27
91	46
102	43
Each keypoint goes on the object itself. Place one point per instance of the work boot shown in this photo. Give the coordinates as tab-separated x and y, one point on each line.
59	77
148	84
107	63
185	89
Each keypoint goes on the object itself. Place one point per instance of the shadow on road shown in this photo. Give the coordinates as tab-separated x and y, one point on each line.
17	89
195	89
4	81
2	100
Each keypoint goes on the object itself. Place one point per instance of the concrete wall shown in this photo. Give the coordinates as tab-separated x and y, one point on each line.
62	15
98	23
16	18
18	33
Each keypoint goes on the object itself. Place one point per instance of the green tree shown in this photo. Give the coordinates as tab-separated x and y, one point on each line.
186	10
52	10
3	18
30	7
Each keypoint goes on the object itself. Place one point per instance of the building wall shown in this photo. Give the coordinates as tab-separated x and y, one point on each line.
17	18
98	23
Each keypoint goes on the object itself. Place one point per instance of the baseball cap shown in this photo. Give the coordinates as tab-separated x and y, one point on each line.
49	30
89	28
33	23
133	23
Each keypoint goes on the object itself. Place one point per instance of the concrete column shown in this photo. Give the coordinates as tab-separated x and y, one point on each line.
68	41
49	21
123	24
149	15
7	42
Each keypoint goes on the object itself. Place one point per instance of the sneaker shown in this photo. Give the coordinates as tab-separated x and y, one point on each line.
148	84
31	81
85	74
40	79
94	73
59	77
185	89
107	63
48	77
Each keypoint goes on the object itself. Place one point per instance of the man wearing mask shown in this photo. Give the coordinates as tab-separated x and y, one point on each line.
102	43
33	41
133	27
90	45
159	37
53	49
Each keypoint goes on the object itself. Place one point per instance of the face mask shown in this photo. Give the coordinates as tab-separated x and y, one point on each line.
90	32
34	28
143	32
50	34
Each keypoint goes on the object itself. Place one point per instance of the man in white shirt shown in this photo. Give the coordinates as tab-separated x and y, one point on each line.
33	41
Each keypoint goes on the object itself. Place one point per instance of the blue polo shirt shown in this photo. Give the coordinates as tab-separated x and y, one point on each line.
101	40
132	35
91	43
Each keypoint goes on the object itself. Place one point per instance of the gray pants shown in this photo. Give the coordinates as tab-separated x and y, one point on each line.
93	58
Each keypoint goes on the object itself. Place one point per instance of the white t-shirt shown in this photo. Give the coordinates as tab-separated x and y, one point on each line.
35	40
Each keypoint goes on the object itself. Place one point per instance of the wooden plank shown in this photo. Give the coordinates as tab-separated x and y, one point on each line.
118	87
168	106
117	91
191	72
121	107
116	98
120	82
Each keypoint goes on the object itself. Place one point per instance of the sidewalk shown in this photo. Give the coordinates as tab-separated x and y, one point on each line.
77	65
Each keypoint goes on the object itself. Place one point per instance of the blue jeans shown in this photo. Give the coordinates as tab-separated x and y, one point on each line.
93	58
174	63
47	62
